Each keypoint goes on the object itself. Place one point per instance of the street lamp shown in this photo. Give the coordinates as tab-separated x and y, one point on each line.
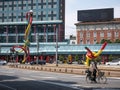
56	45
37	48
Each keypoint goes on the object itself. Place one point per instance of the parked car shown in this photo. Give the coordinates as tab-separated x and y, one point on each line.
41	62
114	62
3	62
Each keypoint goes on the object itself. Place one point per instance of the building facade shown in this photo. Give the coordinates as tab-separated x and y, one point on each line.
94	32
48	18
73	40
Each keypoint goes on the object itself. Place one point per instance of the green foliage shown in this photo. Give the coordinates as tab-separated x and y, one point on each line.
117	41
61	58
110	58
76	57
109	41
98	59
104	40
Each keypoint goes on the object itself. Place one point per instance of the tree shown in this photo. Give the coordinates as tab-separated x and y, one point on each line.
105	40
61	58
110	58
117	41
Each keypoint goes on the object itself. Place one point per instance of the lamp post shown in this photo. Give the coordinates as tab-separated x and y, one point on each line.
0	48
56	46
37	48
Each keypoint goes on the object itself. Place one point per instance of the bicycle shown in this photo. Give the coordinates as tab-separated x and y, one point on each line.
100	78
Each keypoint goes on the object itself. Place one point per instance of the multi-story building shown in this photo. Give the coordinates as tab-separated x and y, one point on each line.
73	40
48	17
94	32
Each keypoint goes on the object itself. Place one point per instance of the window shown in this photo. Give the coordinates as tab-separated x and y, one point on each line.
95	41
54	6
34	1
39	1
1	3
44	1
24	2
95	34
105	27
49	12
116	34
88	34
73	42
54	12
19	2
101	34
5	20
15	2
29	1
118	26
54	0
54	18
29	7
49	18
81	34
0	14
44	18
88	41
0	9
44	13
44	6
14	20
6	9
92	27
81	41
109	34
49	0
24	8
49	6
34	7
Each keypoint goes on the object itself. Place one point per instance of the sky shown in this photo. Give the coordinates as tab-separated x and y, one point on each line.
72	6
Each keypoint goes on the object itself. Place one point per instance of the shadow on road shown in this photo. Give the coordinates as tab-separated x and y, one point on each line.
15	83
6	77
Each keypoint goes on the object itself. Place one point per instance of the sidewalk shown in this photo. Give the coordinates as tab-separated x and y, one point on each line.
110	71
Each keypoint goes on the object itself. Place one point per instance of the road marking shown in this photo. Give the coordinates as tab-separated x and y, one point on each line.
113	77
7	87
77	76
46	77
54	83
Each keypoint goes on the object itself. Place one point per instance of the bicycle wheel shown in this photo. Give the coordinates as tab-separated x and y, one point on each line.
88	79
102	79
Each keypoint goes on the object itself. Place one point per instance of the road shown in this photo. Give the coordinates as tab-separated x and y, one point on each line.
21	79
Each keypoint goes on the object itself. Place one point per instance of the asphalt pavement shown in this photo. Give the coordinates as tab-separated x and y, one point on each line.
21	79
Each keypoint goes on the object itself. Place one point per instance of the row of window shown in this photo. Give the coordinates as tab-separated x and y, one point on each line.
102	34
21	2
99	27
21	30
88	41
24	19
20	5
52	15
15	14
19	39
28	8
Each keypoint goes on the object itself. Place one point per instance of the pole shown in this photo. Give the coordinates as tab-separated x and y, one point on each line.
56	47
37	48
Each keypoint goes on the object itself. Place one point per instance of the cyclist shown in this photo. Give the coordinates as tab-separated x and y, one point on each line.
94	69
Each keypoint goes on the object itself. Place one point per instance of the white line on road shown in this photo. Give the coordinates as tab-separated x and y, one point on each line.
113	77
54	83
